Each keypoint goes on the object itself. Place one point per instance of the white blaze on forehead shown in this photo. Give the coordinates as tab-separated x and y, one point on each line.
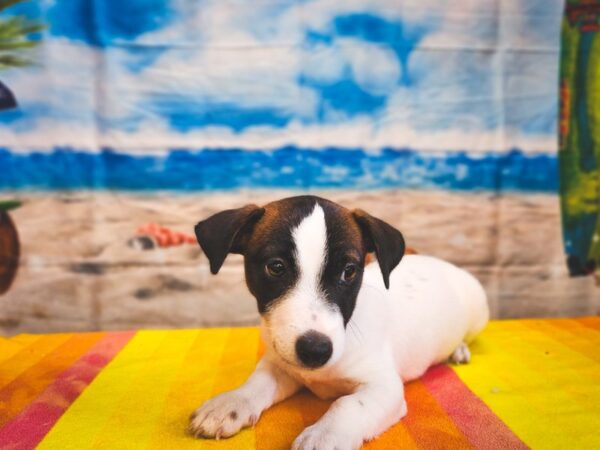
305	308
310	238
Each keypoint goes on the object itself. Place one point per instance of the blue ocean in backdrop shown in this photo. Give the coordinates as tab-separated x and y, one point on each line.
287	167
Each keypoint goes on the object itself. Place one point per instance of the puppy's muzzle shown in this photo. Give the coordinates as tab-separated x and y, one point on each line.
314	349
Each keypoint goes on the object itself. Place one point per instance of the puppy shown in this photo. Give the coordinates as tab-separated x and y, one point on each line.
329	323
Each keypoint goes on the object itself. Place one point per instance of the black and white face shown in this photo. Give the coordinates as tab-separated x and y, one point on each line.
306	279
304	260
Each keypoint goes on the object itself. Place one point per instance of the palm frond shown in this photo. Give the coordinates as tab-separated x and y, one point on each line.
18	28
32	27
10	28
15	37
7	46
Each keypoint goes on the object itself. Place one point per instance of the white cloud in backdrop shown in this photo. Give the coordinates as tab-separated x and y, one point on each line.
473	83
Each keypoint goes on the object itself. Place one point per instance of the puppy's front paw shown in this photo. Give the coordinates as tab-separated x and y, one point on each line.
223	416
323	437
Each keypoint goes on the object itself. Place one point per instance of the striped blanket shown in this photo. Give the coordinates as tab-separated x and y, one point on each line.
532	383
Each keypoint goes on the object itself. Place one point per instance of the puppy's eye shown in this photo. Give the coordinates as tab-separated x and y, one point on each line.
275	268
349	273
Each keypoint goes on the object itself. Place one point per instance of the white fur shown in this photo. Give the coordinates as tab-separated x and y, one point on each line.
431	309
304	308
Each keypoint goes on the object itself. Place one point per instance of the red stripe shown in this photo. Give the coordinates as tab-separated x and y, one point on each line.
27	429
428	423
476	421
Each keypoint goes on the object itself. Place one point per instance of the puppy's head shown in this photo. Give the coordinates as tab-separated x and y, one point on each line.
304	259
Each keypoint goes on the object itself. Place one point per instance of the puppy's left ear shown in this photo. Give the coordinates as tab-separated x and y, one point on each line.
383	239
226	232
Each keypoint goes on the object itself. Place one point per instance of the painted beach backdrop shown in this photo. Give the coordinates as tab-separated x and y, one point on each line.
136	119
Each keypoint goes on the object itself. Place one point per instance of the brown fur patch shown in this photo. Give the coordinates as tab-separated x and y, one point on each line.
279	214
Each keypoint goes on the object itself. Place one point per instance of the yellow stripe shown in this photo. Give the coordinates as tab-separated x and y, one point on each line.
137	412
564	368
238	361
526	387
192	384
29	355
79	426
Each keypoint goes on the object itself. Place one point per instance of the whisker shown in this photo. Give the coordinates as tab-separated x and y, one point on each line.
357	333
352	329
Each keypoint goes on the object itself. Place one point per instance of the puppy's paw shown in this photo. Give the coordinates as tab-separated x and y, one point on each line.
223	416
462	355
322	437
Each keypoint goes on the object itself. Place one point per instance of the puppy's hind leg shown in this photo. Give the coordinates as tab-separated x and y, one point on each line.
462	354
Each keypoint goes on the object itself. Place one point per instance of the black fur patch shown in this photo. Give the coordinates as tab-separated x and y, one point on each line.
344	246
273	239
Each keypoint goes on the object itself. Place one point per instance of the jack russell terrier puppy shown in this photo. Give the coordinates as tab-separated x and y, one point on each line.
331	324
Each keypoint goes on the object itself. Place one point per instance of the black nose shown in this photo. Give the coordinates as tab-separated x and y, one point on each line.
314	349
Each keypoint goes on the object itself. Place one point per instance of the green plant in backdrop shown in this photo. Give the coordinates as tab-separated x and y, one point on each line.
15	46
579	128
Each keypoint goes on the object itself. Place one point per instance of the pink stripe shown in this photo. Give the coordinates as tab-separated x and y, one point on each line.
27	429
477	422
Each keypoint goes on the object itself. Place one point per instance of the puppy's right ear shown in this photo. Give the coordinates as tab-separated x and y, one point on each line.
226	232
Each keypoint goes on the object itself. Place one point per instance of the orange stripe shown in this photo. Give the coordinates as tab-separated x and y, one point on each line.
590	322
313	408
428	423
28	356
282	423
571	334
394	438
10	346
17	394
237	363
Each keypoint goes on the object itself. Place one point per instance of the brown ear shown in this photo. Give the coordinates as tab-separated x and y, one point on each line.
226	232
383	239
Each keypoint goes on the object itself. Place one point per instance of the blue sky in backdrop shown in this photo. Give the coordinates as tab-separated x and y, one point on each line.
145	75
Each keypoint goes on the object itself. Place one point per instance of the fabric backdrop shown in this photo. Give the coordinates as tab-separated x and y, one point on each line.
139	118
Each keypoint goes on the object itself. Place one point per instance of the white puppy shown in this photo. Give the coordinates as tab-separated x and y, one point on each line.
331	324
